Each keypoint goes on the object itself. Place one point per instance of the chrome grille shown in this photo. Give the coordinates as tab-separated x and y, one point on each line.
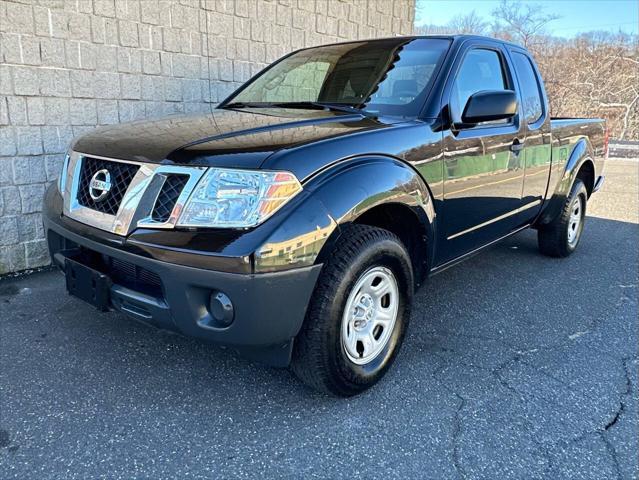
121	176
141	195
171	189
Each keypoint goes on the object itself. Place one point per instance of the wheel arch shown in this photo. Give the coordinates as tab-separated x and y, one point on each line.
586	174
580	165
384	192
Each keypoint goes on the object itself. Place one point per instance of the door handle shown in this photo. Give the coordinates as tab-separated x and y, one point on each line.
517	146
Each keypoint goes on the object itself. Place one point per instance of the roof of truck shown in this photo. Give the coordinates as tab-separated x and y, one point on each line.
400	38
465	37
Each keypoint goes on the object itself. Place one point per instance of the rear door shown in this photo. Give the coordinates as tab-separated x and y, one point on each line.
483	165
535	116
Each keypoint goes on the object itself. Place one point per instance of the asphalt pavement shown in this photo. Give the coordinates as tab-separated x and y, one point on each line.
515	366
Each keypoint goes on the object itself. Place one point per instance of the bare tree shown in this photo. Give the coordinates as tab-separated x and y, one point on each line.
593	74
520	22
469	23
430	29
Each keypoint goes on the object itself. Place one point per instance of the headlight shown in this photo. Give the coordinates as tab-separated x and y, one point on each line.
62	180
237	198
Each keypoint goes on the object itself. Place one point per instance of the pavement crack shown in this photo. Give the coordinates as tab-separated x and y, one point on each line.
622	397
497	373
613	454
457	425
614	420
457	430
527	424
616	417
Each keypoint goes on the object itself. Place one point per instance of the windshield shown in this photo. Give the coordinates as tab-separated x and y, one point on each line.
382	77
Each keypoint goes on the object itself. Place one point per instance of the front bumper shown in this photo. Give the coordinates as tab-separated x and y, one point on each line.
268	308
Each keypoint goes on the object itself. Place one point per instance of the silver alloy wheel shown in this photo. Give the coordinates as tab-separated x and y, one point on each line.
370	315
574	222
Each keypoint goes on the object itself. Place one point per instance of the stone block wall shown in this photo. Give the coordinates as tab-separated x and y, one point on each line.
69	65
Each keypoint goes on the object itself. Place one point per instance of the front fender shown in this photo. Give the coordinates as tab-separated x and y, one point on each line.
581	153
338	196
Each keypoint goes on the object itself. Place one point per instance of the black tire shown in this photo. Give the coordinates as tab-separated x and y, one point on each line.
319	357
553	238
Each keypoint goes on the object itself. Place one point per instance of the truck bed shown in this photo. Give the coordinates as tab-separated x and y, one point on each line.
568	132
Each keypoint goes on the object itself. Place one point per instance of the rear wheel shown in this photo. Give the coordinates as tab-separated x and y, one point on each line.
561	236
358	314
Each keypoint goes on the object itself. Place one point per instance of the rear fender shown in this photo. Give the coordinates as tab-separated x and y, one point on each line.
581	153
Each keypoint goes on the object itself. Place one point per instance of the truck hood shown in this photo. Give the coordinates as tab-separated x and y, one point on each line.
223	138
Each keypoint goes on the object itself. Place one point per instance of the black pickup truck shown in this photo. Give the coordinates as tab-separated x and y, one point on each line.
295	221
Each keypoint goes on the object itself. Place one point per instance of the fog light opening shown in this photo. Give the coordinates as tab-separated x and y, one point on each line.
221	308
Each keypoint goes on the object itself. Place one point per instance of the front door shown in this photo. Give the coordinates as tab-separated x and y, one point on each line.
483	164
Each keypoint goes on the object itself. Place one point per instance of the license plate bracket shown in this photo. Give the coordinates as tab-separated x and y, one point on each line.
87	284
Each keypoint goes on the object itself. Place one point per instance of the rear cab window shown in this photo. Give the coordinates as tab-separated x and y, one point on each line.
530	88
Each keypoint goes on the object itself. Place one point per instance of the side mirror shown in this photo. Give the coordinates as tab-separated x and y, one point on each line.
489	105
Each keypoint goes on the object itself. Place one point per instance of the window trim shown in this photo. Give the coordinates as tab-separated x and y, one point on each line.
540	88
507	72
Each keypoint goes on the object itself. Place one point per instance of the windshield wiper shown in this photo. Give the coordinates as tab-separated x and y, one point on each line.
247	105
337	107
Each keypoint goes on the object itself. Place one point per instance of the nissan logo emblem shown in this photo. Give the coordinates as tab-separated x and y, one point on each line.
100	185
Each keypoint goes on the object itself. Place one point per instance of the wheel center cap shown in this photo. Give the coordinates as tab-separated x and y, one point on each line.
367	309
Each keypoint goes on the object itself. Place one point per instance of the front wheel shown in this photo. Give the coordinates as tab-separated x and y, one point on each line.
358	314
561	236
